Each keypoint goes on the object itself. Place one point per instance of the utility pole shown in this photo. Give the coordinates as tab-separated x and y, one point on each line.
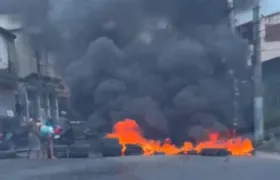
257	77
39	91
236	94
231	15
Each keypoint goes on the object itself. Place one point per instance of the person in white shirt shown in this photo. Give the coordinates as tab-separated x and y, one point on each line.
34	144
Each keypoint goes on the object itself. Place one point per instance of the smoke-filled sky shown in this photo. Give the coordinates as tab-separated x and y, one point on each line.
165	63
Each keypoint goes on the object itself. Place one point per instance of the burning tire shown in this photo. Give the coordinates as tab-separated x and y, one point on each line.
132	149
111	148
111	152
190	152
214	152
79	151
60	151
73	151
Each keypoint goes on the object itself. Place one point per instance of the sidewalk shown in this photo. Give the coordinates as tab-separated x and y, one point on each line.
268	155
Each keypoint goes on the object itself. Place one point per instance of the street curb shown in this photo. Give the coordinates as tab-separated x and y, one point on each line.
269	155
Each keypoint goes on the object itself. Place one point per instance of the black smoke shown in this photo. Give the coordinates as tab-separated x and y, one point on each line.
165	63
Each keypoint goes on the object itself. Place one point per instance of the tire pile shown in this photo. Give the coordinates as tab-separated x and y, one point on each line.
112	148
72	151
8	154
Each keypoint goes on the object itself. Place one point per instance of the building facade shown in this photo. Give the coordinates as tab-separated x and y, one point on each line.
8	74
39	88
270	35
270	56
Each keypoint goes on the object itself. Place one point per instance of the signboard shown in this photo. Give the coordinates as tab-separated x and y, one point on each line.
10	113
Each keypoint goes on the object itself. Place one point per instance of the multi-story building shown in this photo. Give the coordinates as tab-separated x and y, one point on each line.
38	86
269	32
8	74
270	56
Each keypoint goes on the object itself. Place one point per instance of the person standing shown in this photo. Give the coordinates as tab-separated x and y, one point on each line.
52	125
46	135
33	139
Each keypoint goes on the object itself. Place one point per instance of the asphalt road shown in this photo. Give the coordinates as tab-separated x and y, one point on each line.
143	168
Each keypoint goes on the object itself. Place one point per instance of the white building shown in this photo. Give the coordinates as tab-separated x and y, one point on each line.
270	35
270	55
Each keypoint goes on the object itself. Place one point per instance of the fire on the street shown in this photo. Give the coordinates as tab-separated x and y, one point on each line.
129	132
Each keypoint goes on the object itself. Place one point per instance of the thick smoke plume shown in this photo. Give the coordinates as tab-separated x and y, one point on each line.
166	63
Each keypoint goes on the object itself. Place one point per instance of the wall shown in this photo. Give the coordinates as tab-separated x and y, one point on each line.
270	37
7	68
8	58
28	55
4	57
270	54
7	102
10	22
7	96
26	52
271	89
25	55
28	58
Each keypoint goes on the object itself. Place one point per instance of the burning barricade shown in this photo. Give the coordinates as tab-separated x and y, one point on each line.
129	140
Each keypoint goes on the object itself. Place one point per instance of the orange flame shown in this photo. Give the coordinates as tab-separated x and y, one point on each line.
129	132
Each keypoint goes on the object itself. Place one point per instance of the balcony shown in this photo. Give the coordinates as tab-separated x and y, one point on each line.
46	83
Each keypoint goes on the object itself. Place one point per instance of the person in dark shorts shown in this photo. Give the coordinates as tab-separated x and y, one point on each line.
52	125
